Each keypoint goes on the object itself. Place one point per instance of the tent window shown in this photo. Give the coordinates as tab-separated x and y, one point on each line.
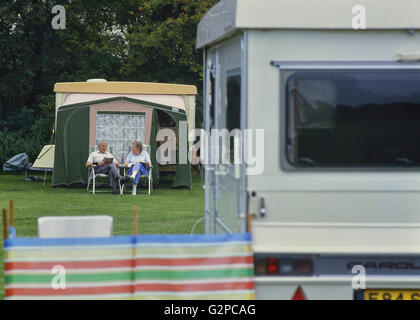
119	130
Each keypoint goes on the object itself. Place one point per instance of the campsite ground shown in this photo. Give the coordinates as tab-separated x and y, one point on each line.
165	211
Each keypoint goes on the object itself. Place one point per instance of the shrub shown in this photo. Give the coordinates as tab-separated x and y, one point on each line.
26	133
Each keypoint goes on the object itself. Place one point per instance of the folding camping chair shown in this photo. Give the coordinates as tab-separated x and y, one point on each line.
75	227
149	178
92	176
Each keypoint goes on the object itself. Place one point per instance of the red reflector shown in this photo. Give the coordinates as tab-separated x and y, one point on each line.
272	265
299	295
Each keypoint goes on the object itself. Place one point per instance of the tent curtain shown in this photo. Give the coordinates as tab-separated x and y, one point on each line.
183	171
153	146
71	146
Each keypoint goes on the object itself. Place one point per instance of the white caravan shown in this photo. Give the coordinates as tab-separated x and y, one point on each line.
340	109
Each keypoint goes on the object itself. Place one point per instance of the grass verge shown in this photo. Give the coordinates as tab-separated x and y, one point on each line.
165	211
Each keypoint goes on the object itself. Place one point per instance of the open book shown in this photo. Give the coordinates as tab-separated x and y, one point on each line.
108	160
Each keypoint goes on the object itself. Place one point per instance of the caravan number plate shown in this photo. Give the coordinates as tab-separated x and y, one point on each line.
392	294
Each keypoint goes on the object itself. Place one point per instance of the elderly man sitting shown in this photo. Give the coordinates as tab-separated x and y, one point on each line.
106	164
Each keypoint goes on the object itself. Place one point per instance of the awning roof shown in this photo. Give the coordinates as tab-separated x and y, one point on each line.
125	88
176	101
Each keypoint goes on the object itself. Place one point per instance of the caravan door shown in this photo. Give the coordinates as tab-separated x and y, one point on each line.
225	180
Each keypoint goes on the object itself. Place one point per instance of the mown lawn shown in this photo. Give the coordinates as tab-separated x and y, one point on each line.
165	211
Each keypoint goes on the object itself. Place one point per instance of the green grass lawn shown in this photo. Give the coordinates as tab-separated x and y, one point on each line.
164	211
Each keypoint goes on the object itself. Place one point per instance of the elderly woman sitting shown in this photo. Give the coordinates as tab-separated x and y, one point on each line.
137	161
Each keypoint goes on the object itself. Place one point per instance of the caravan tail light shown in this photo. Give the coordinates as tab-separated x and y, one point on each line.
260	266
281	265
272	266
304	266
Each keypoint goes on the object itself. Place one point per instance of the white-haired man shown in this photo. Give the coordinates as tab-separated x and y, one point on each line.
104	164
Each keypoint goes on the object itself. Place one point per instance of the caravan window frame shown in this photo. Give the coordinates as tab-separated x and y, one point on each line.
286	69
235	75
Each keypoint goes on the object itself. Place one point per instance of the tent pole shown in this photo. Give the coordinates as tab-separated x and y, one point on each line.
45	173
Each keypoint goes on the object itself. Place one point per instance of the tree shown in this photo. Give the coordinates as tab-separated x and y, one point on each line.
162	37
137	40
35	56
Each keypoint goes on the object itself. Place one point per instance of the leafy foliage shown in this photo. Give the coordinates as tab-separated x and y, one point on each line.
161	37
136	40
27	133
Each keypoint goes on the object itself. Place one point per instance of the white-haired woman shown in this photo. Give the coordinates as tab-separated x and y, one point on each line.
137	161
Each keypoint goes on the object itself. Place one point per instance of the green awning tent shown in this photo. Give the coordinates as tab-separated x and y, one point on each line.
74	127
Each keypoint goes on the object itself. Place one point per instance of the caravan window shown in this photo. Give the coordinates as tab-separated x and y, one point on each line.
353	118
212	102
233	107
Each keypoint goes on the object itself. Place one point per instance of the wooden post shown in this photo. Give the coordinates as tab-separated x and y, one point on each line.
248	222
5	233
11	212
135	220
